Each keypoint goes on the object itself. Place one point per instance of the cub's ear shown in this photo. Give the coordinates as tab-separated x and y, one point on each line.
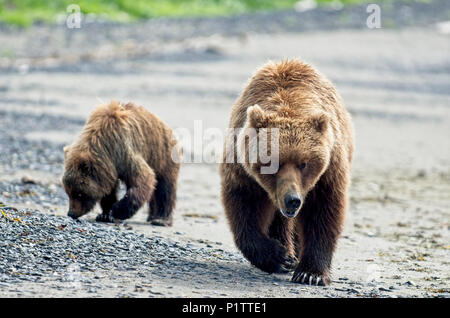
255	116
320	121
85	167
66	150
84	163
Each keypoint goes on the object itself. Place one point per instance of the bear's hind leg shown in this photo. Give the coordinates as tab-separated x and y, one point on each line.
106	204
163	201
140	181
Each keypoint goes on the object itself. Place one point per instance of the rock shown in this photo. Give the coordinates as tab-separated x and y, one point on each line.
373	187
384	289
421	173
28	180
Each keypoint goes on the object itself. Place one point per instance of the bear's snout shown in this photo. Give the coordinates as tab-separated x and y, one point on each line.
292	201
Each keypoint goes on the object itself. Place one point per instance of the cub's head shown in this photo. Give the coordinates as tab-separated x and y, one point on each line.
80	182
293	151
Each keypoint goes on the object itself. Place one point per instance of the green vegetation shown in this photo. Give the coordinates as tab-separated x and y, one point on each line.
25	12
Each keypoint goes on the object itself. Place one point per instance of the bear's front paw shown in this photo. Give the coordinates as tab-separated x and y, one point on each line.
107	218
288	264
310	278
270	256
122	210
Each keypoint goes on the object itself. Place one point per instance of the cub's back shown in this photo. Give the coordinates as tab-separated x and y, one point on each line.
132	128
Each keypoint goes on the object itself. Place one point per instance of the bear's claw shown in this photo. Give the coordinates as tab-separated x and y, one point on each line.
309	279
104	218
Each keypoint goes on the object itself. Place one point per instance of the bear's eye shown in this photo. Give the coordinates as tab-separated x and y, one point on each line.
302	166
78	195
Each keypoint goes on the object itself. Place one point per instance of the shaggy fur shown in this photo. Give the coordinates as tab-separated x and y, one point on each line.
127	143
315	154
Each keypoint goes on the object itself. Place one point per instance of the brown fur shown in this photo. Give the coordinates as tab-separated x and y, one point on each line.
314	129
127	143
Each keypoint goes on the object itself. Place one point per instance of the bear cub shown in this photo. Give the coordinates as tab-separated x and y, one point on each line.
122	143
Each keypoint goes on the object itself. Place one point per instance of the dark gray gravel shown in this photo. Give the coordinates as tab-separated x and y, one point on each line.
43	194
19	152
34	246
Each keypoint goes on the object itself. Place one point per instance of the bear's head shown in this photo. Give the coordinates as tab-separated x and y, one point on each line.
81	182
293	151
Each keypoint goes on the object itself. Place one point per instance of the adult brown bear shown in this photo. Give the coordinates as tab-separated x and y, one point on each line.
127	143
291	218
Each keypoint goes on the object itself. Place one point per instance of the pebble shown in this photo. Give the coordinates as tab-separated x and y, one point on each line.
384	289
352	290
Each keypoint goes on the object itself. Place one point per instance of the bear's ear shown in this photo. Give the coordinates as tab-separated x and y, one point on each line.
255	116
320	121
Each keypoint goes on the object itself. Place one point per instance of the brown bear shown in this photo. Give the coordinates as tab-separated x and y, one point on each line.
290	218
126	143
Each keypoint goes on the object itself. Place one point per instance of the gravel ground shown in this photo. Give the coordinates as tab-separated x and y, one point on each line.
395	81
76	255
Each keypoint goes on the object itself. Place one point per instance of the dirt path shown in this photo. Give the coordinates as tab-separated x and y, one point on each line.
395	83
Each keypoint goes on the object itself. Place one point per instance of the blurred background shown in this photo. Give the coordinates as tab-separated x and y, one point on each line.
188	60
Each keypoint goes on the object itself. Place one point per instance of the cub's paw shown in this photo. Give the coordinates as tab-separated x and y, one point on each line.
122	210
311	279
107	218
159	221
